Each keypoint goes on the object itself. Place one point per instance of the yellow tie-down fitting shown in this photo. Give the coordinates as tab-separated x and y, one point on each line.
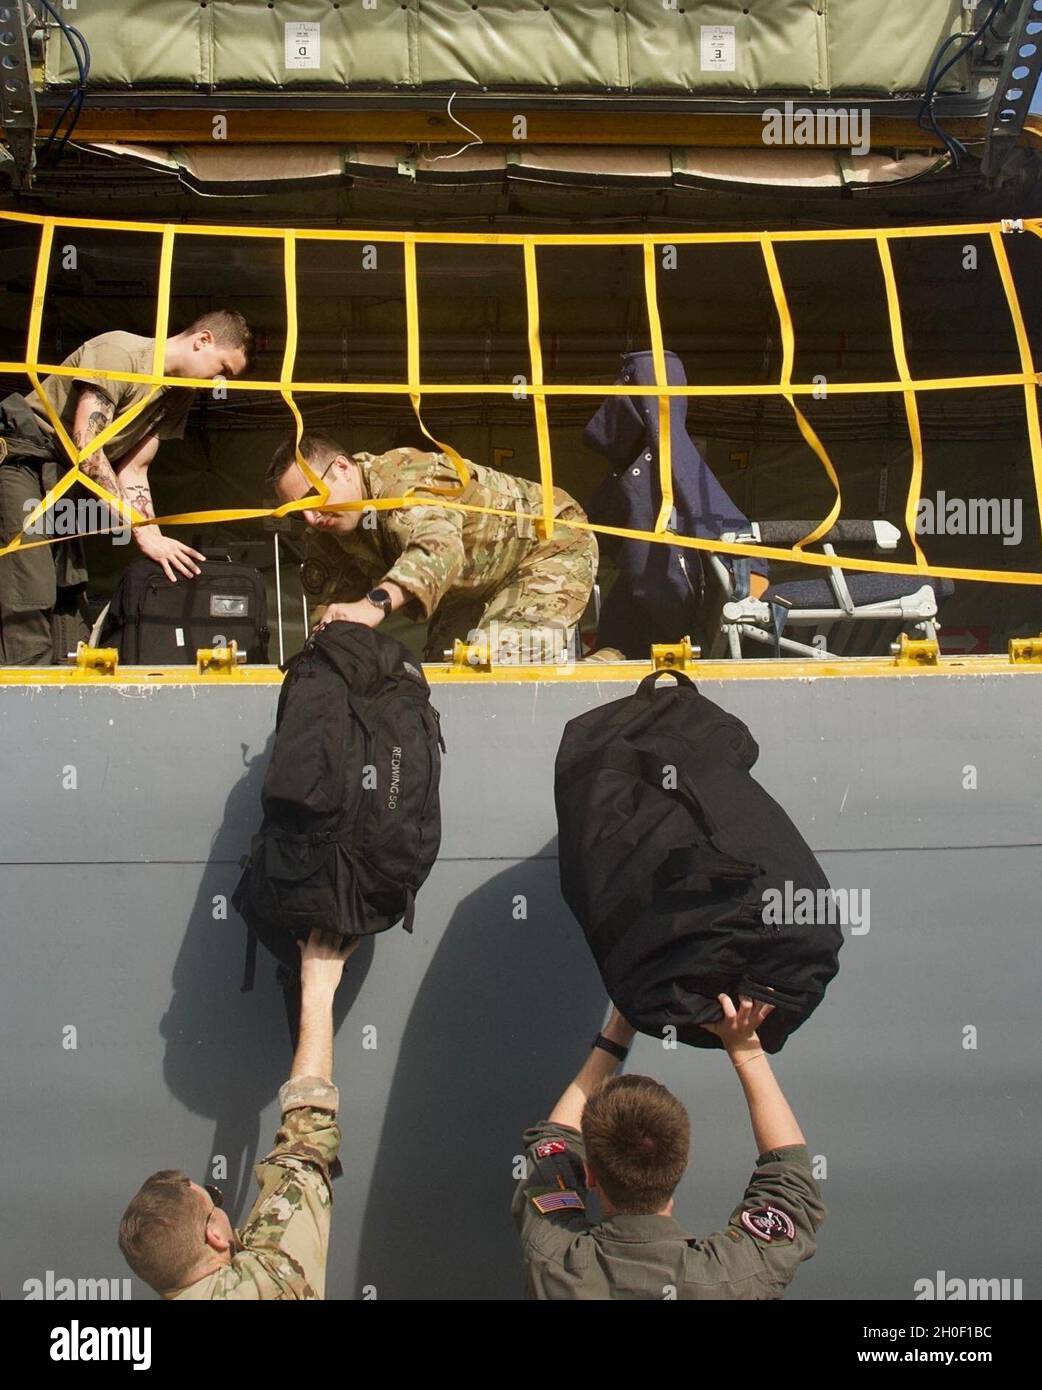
476	656
219	661
916	651
101	661
1025	651
674	656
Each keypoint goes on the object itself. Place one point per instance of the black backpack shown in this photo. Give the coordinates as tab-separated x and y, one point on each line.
154	622
666	871
352	822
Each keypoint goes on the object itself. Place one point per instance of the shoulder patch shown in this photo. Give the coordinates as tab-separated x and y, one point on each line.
550	1146
769	1224
547	1202
314	576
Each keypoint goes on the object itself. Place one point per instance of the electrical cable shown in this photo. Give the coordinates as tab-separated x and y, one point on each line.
82	57
956	149
478	140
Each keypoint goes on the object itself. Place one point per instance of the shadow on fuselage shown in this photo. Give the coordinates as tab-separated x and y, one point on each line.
501	1023
228	1052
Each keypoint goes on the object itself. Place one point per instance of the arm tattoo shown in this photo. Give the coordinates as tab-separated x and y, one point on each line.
97	466
140	497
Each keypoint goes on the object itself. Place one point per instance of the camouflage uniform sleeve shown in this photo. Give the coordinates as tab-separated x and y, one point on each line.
430	539
549	1207
286	1236
768	1235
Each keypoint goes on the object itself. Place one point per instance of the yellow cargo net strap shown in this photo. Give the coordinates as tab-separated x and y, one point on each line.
414	388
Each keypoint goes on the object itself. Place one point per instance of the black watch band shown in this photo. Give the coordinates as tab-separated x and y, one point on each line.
606	1045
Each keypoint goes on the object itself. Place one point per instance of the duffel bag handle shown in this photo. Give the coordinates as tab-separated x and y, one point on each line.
647	685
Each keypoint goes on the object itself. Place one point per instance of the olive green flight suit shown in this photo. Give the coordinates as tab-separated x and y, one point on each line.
566	1255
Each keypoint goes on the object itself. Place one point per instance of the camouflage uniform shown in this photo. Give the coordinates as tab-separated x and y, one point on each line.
568	1256
464	570
286	1236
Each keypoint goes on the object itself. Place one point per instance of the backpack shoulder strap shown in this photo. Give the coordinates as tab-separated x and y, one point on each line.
249	966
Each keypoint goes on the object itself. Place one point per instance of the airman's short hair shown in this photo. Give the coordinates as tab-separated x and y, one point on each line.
637	1136
318	449
161	1233
229	328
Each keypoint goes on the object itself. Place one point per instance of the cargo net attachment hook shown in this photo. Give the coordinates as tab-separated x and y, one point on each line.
674	656
219	661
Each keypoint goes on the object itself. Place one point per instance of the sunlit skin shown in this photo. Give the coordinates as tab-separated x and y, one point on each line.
322	961
345	485
774	1124
219	1232
186	354
201	355
344	481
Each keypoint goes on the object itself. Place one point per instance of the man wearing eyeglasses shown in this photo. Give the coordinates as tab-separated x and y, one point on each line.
483	577
176	1236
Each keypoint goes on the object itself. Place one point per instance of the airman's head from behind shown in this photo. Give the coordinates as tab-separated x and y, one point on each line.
175	1232
637	1136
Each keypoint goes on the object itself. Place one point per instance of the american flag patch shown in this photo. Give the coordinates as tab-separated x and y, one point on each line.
558	1201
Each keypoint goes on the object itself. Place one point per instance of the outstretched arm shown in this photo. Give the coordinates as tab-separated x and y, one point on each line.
174	556
598	1066
322	959
361	610
285	1240
94	413
774	1124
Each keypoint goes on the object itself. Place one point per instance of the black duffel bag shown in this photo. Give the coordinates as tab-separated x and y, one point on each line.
675	862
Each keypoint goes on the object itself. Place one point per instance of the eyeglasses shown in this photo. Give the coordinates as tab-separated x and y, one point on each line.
216	1196
325	470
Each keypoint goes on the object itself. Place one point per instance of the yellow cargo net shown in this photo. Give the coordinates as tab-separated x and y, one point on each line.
905	385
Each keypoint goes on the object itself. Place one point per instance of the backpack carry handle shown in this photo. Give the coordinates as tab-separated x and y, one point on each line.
647	685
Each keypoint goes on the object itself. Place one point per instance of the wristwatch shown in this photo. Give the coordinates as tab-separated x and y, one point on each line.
381	598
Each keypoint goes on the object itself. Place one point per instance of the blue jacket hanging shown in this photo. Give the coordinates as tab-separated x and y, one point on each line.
658	584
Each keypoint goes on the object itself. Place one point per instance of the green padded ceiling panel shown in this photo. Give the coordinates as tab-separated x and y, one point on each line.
356	46
520	43
869	47
762	45
887	46
145	43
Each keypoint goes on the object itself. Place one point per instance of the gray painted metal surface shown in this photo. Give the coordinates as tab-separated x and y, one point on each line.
109	927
